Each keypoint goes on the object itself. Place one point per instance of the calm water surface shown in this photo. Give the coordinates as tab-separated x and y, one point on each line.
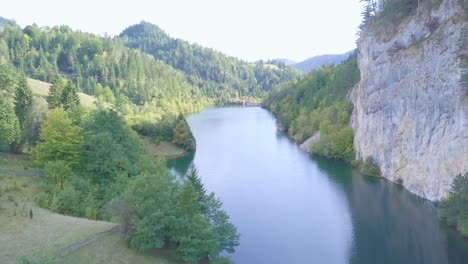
292	208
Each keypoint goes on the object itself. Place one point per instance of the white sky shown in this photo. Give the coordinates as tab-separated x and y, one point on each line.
248	29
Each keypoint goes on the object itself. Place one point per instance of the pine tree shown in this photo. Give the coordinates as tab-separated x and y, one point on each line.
192	176
23	107
9	125
54	99
187	201
70	97
23	101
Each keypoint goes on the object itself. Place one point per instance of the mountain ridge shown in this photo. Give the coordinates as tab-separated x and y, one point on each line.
318	61
207	68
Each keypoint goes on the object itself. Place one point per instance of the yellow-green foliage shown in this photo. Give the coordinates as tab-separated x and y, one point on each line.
59	140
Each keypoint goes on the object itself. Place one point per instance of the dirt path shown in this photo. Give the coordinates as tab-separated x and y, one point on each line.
74	247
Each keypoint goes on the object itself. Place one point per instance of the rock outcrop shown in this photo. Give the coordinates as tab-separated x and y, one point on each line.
305	146
410	107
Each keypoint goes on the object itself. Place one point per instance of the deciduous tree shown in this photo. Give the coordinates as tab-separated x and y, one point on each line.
59	140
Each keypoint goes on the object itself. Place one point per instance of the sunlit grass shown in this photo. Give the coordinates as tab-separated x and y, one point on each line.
162	149
42	89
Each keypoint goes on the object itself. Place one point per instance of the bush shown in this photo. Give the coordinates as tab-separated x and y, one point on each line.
68	201
454	209
335	143
369	168
57	173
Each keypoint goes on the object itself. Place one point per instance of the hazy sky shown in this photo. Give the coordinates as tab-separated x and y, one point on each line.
248	29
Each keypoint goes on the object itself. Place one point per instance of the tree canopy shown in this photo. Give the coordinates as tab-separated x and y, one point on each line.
318	103
219	76
454	209
59	140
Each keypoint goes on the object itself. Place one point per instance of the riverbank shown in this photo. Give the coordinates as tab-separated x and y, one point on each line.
163	149
262	175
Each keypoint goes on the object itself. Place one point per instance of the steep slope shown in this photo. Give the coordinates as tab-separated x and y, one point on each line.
315	107
216	74
318	61
411	105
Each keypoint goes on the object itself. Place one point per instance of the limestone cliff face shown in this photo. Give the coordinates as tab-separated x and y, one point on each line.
410	108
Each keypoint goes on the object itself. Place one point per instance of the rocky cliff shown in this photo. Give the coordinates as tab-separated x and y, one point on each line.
411	107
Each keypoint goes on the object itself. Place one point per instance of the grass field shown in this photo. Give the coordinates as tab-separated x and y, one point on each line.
47	233
163	149
112	249
15	162
42	89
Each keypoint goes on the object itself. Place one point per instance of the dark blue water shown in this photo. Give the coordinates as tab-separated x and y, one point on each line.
293	208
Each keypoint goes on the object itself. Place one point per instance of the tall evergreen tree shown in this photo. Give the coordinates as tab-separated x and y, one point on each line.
23	107
54	99
192	176
9	125
70	97
23	101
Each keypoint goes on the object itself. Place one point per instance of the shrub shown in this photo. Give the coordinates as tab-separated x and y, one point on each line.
369	168
16	186
454	209
335	143
68	201
57	173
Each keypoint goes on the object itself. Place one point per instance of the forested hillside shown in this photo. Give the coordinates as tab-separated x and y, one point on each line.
94	162
96	63
218	75
318	103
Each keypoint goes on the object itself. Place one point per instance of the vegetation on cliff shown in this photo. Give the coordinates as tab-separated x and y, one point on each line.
454	209
318	103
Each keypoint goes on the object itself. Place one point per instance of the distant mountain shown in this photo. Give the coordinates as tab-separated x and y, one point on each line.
286	62
3	21
318	61
215	73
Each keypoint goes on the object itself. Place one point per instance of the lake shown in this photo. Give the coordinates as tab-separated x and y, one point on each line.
293	208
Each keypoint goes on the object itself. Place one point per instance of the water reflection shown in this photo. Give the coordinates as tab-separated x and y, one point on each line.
392	225
291	208
180	165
